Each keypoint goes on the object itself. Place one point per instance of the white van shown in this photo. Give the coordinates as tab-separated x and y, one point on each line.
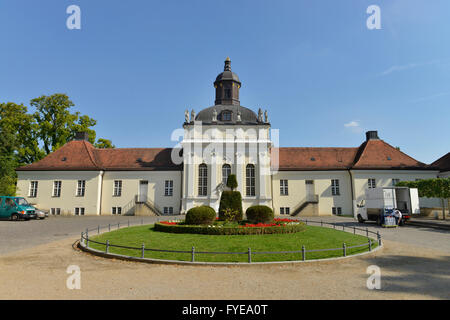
377	200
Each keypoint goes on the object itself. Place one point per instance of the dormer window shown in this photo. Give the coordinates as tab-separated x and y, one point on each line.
226	116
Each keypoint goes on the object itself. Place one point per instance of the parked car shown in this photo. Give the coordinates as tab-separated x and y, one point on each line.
16	208
40	214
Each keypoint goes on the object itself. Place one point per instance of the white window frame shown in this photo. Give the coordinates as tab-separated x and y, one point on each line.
226	172
116	210
57	186
81	188
250	180
168	188
33	189
168	210
335	191
117	188
55	211
284	187
79	211
372	183
203	180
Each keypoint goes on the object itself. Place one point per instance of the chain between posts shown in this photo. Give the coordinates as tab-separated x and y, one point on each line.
86	241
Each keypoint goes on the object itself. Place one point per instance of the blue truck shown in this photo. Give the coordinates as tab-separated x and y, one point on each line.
16	208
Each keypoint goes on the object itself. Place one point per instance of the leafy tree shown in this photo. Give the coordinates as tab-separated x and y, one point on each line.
18	143
26	138
232	182
15	120
7	164
57	124
104	144
431	188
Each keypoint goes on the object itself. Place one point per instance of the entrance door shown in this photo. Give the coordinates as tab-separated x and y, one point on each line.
143	190
309	190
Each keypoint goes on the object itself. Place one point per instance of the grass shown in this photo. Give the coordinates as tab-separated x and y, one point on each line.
312	238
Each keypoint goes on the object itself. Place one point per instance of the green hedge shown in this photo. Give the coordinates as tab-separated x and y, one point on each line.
231	200
291	228
257	214
200	215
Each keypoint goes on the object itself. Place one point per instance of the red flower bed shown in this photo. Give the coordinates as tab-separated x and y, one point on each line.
169	223
258	225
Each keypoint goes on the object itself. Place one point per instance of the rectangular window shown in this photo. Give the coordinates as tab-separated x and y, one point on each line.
116	210
79	211
81	187
168	210
284	187
336	211
395	181
285	210
55	211
117	192
203	180
372	183
168	188
335	187
57	189
250	180
33	189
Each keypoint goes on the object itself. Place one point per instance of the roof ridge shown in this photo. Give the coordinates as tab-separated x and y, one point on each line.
398	150
440	159
91	157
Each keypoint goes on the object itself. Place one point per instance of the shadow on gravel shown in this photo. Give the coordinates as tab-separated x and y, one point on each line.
373	225
418	275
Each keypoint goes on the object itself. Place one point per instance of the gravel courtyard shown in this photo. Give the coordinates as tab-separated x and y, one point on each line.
408	271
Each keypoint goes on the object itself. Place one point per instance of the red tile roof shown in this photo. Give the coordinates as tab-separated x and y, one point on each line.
314	158
372	154
80	155
377	154
443	163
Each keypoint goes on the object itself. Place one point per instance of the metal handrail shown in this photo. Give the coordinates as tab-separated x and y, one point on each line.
85	239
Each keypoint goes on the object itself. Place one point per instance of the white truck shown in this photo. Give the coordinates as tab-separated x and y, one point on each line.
378	200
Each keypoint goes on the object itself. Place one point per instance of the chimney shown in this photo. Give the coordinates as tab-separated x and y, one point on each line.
372	135
80	136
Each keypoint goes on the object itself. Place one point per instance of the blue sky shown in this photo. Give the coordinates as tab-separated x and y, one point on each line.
323	76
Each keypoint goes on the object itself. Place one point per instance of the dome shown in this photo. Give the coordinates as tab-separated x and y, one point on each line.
227	114
227	75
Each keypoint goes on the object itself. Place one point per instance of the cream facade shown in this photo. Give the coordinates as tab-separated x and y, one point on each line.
59	190
240	148
223	139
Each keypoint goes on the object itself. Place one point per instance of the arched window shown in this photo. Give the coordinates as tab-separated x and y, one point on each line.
250	180
226	171
202	180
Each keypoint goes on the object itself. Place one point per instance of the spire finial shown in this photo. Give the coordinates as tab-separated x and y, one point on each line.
227	64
